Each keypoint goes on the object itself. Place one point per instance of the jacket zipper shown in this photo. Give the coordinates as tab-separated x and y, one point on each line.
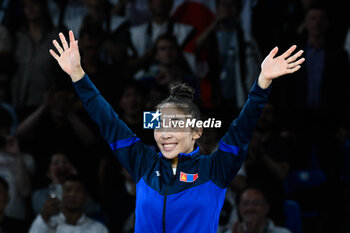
164	207
165	197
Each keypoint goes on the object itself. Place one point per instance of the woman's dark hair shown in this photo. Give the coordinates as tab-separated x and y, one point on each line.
182	95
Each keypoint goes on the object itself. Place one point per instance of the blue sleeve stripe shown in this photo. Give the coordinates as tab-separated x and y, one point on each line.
123	143
228	148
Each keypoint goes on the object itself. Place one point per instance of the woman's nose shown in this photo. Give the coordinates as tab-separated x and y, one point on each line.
165	135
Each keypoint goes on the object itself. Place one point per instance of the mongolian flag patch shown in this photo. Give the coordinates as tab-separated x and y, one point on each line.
184	177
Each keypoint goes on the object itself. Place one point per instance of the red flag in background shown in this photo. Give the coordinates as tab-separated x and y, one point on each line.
200	14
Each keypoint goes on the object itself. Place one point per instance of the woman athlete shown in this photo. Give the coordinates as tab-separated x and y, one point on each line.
178	189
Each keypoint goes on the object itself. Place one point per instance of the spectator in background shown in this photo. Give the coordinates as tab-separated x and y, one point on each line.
132	104
142	37
117	195
319	89
67	13
92	38
15	168
58	125
170	67
253	209
229	212
239	57
70	217
136	12
294	23
317	110
99	11
8	224
267	18
267	163
114	47
58	170
35	69
75	14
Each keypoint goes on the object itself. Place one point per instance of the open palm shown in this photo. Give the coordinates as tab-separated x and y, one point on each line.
69	57
273	67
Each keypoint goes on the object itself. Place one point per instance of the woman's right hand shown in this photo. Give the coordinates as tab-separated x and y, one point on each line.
69	57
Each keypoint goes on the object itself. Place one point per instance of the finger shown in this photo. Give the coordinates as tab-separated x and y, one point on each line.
288	52
54	54
295	56
63	41
58	47
71	36
72	40
294	64
273	52
289	71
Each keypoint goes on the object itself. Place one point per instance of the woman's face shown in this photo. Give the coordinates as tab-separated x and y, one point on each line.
171	139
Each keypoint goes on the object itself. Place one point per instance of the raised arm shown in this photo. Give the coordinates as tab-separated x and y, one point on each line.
229	157
131	153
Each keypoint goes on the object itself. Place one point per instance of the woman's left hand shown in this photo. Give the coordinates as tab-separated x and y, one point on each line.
273	67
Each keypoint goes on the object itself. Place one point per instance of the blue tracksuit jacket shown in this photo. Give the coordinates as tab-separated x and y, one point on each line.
169	203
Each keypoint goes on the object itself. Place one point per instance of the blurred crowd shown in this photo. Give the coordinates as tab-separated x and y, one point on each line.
57	172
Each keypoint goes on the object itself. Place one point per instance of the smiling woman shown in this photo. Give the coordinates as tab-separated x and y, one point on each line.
178	189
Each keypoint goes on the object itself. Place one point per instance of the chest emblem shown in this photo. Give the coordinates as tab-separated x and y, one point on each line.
184	177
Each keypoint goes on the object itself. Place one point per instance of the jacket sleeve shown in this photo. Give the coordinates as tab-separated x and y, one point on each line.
131	153
225	162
